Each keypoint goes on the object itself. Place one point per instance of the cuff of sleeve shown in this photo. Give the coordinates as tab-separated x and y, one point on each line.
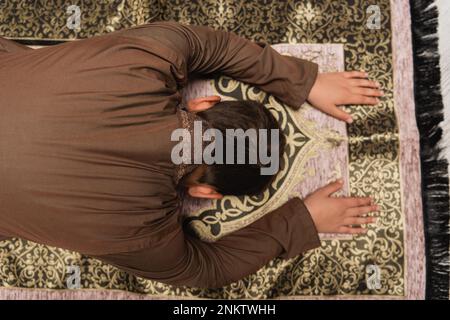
309	70
302	232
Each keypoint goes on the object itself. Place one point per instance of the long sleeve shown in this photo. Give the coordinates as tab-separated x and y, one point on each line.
205	51
186	260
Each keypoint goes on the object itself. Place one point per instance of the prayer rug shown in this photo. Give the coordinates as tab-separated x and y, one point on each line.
377	155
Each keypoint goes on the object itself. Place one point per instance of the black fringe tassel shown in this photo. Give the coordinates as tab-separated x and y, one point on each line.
429	114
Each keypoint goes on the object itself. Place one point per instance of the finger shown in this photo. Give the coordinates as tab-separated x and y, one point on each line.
340	114
351	202
362	210
361	99
352	230
208	98
355	74
367	92
359	220
332	187
364	83
213	98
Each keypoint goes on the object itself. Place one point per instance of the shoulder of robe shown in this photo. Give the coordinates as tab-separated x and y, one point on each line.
177	61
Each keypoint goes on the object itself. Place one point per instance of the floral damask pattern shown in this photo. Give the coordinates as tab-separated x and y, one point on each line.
338	267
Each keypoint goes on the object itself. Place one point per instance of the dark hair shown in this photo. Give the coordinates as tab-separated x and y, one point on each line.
240	179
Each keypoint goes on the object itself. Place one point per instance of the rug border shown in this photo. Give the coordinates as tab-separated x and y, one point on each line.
13	293
409	155
399	56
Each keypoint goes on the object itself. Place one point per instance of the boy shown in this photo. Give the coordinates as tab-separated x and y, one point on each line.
85	145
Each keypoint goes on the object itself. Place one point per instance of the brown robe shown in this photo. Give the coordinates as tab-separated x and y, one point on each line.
85	150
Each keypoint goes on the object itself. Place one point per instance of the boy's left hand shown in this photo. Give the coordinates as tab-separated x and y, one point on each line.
340	88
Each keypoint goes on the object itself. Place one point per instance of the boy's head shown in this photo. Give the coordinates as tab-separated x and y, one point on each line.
215	180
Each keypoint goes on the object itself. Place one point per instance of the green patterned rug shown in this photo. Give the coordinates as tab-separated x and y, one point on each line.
373	265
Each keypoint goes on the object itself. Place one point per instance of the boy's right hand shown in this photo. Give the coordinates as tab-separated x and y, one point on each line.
339	214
